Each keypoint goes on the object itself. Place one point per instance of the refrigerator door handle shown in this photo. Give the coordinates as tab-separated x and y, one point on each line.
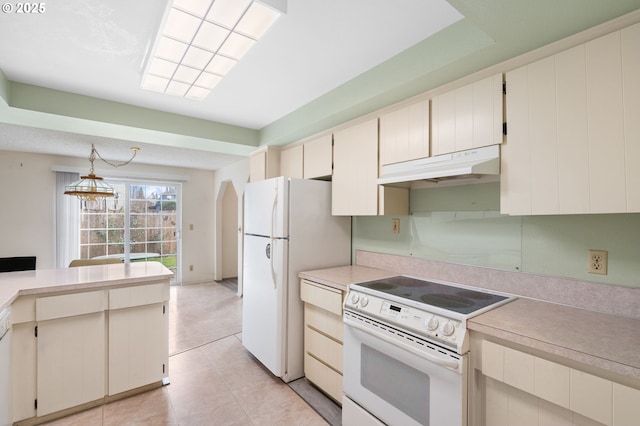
273	210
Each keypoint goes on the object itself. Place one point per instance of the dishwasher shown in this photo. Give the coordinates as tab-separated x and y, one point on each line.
5	367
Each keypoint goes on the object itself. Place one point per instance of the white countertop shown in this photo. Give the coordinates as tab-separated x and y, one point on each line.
42	281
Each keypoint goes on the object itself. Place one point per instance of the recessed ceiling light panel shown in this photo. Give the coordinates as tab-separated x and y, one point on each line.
200	41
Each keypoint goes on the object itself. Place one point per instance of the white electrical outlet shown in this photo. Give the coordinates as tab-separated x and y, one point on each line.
597	262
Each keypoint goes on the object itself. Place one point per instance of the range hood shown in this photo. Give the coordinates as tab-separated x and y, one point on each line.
464	165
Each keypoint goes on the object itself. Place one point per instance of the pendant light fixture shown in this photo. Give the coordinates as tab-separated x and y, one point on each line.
92	187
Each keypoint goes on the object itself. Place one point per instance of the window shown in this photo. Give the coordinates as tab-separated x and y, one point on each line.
140	223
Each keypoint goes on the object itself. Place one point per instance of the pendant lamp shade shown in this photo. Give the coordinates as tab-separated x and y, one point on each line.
92	187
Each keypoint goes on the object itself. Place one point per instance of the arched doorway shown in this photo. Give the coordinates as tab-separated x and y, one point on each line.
227	232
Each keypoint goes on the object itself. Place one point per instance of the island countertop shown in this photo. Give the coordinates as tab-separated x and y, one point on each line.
43	281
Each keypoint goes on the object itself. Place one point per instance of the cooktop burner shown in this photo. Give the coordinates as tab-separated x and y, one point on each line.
444	296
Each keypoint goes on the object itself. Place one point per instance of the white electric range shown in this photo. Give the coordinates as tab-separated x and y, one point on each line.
406	350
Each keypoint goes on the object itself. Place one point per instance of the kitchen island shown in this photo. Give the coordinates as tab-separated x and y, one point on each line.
81	337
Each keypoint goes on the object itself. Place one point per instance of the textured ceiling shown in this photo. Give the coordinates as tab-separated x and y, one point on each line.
322	62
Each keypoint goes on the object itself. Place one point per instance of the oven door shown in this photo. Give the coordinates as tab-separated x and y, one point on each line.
383	375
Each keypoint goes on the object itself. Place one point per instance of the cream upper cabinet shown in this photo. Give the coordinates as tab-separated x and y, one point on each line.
468	117
291	162
318	157
572	143
354	185
404	133
264	163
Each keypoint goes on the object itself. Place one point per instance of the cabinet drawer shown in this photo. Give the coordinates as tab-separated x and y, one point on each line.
591	396
138	296
325	349
323	377
69	305
324	297
324	321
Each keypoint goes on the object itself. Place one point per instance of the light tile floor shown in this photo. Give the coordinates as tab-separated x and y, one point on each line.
214	380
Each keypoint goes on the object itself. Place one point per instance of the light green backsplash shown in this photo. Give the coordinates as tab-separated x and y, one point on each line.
463	225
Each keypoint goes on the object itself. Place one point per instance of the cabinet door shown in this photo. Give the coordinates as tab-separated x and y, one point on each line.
258	166
606	124
404	134
570	144
468	117
354	184
138	336
631	98
264	164
318	157
70	351
138	347
291	162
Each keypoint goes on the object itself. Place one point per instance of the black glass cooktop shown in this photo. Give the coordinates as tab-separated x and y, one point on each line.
452	298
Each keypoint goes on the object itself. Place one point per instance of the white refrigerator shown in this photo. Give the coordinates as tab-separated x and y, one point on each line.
288	228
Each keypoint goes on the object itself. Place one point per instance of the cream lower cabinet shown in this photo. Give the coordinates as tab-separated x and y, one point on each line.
524	389
323	336
138	342
70	350
74	351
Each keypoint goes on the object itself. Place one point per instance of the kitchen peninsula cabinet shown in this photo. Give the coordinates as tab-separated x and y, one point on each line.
572	144
323	337
138	330
404	133
70	350
84	336
468	117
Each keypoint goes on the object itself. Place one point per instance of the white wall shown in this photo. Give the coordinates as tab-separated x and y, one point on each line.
27	222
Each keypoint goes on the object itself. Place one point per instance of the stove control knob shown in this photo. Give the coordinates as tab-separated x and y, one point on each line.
364	301
448	328
355	297
433	323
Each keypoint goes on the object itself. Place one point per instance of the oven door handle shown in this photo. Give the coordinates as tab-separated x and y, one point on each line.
437	360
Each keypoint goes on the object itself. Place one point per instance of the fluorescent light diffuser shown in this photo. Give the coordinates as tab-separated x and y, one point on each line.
201	40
